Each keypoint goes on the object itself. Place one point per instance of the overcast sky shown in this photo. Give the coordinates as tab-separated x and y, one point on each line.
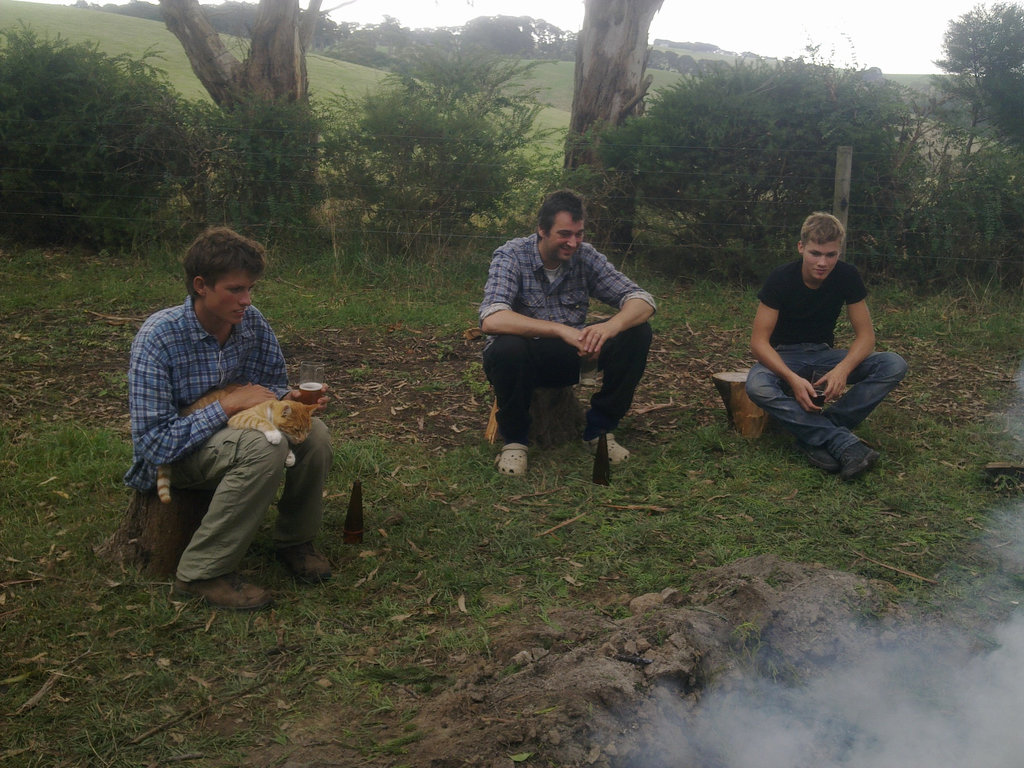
898	36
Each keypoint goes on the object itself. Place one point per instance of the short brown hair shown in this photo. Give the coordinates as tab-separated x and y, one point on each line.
821	227
556	202
220	250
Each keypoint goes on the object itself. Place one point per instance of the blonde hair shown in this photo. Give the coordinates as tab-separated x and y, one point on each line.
821	227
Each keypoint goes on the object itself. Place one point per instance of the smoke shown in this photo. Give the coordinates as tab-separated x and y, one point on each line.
934	705
931	697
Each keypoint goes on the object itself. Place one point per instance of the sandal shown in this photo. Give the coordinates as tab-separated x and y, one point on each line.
616	453
512	459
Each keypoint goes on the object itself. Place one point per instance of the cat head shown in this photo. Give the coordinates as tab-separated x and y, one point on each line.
295	419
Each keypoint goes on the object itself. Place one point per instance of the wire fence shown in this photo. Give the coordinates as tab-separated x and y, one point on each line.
679	207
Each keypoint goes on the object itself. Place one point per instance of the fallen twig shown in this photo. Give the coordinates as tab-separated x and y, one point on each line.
562	524
522	496
115	319
654	407
911	574
635	507
195	713
32	702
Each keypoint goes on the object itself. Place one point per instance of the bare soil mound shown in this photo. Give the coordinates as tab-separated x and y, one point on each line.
586	689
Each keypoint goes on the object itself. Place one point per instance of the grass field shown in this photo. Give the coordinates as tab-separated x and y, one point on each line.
101	666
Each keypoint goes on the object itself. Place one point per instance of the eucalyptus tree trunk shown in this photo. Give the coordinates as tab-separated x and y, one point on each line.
275	68
610	85
611	57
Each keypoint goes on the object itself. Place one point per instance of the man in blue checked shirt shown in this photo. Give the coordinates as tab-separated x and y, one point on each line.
534	311
217	338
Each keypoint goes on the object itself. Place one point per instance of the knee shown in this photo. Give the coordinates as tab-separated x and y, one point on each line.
318	441
632	343
761	384
640	335
506	352
891	366
254	448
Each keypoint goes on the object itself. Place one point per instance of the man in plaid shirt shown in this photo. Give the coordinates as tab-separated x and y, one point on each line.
217	338
534	310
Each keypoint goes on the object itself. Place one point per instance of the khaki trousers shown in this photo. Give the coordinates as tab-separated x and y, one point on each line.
245	471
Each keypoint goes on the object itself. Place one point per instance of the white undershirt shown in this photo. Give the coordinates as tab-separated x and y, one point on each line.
554	273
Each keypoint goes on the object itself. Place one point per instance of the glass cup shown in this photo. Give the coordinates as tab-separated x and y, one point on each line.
819	392
588	372
311	383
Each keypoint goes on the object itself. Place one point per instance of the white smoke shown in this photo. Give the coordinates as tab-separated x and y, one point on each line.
935	706
931	699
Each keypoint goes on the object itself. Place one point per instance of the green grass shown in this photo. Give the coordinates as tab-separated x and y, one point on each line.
125	675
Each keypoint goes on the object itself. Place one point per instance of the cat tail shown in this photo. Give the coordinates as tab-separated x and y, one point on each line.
163	484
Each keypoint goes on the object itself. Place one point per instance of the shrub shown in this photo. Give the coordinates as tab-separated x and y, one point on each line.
727	163
91	142
436	153
258	167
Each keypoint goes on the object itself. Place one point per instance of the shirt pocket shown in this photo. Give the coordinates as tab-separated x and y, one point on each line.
574	299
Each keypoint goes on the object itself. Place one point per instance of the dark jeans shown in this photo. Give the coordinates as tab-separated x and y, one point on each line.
515	365
876	376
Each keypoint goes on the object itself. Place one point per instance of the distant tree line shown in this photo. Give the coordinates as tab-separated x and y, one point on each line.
386	45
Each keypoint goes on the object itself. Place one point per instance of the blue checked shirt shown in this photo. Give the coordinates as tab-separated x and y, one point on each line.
517	281
175	361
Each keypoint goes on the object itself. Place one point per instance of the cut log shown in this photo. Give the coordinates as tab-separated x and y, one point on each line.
1005	469
748	419
152	535
556	417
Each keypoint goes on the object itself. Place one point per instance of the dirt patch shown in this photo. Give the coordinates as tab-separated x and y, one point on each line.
417	386
585	689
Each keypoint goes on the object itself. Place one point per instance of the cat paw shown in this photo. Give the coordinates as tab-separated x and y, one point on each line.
273	437
289	460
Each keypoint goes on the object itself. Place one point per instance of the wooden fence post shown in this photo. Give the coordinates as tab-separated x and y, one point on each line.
841	196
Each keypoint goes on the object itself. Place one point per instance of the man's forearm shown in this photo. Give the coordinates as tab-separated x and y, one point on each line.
507	322
633	313
766	355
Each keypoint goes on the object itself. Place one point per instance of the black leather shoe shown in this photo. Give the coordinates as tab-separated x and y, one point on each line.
818	457
856	460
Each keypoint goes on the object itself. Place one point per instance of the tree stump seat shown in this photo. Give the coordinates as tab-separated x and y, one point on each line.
747	418
152	535
556	416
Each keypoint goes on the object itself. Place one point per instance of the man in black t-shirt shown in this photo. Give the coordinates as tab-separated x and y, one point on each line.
800	379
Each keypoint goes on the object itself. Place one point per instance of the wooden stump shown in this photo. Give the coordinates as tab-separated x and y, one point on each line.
556	417
748	419
152	535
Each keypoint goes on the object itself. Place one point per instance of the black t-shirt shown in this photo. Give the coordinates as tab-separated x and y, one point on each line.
808	315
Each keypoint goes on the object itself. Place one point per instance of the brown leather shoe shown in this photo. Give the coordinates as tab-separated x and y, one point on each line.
229	591
305	563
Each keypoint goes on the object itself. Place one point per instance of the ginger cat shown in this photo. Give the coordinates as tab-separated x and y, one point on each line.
274	418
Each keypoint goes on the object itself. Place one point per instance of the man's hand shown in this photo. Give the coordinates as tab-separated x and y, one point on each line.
321	404
833	383
593	337
244	397
803	391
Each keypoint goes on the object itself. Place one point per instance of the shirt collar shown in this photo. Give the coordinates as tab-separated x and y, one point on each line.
537	262
198	333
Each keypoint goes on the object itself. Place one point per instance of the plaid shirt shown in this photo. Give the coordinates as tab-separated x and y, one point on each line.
517	281
175	361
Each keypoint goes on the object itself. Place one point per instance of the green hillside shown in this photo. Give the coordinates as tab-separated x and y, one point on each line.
115	34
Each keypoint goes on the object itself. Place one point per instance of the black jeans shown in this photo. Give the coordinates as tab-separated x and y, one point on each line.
515	365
